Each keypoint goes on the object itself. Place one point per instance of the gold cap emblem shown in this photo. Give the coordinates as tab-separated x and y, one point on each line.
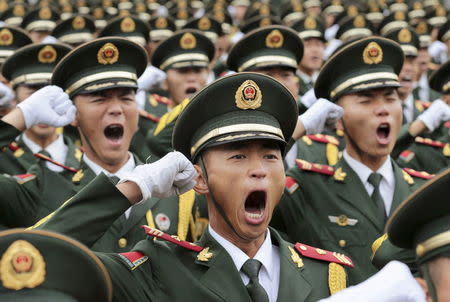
440	11
352	10
422	28
205	255
108	54
47	55
265	22
6	37
127	25
204	23
248	96
45	13
98	13
359	22
188	41
78	22
372	54
264	10
219	16
182	14
274	39
140	7
399	16
310	23
404	36
417	5
22	266
19	11
161	22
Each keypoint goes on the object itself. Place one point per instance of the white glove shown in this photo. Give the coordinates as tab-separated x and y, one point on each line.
49	105
171	175
151	77
309	98
434	116
6	95
322	113
394	283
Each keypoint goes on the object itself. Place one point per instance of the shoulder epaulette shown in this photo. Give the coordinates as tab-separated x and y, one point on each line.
407	155
23	178
46	158
320	254
429	142
419	174
291	184
422	105
16	149
133	259
13	146
148	116
161	99
307	166
173	239
322	138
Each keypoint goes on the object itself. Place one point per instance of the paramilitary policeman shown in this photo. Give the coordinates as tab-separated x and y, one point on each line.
27	70
45	266
431	151
107	119
345	207
185	57
234	132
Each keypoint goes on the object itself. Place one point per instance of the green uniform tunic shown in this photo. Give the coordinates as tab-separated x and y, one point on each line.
330	208
17	158
165	271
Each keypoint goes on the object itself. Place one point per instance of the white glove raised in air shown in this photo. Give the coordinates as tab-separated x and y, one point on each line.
171	175
6	95
321	113
49	105
394	283
434	116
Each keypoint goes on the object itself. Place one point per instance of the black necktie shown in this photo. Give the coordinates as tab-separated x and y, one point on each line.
374	180
251	268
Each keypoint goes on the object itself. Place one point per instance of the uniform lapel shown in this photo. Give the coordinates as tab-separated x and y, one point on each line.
137	214
221	276
352	190
402	189
293	285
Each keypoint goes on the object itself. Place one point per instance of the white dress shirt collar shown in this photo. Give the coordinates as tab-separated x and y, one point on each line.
57	150
268	255
127	167
387	184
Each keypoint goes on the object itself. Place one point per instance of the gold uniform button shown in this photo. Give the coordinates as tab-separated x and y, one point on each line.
122	243
342	243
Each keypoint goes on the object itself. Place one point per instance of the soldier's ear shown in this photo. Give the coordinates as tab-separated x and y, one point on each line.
424	286
201	187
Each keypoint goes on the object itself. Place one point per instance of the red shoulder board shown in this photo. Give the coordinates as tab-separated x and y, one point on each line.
133	259
326	139
148	116
307	166
447	124
173	239
407	155
45	157
429	142
422	105
419	174
13	146
23	178
161	99
291	184
319	254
